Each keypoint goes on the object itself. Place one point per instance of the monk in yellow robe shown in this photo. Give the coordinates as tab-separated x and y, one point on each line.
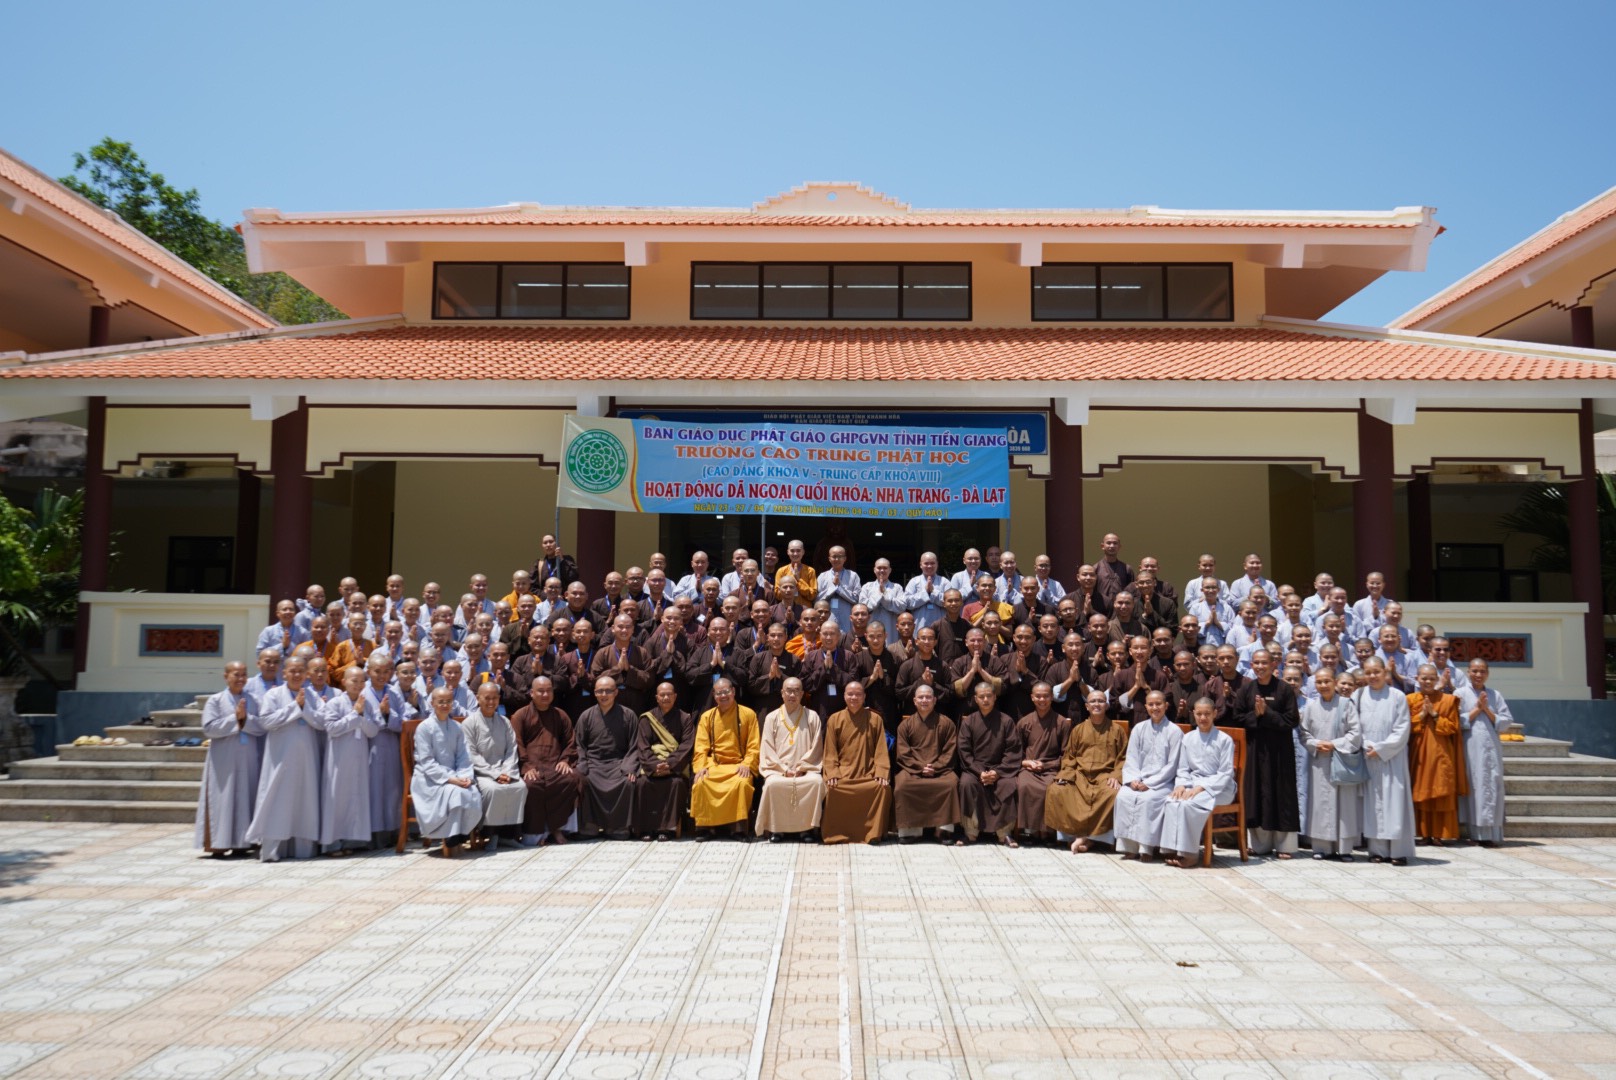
725	759
1436	758
806	576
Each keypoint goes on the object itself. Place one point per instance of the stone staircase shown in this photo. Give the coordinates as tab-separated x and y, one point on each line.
1550	792
134	783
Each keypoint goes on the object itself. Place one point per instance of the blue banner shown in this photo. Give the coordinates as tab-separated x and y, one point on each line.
1028	432
864	471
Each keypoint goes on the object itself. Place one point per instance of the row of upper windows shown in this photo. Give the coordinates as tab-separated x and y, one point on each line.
1060	292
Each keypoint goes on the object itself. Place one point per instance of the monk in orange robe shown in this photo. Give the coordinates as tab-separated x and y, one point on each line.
1436	759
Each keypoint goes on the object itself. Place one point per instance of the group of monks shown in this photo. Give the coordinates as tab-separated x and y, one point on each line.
783	701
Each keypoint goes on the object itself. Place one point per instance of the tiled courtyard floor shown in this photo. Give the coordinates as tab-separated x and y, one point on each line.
121	954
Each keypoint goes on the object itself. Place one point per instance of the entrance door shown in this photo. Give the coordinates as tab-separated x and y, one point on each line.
901	543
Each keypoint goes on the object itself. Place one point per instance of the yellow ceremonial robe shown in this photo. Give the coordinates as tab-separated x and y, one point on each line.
807	582
723	741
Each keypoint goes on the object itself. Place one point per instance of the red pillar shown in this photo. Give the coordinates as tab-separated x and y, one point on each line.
596	547
1421	544
245	576
97	524
1587	582
1374	527
1582	327
293	506
1063	499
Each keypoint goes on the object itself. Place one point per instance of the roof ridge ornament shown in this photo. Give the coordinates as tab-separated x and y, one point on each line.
832	198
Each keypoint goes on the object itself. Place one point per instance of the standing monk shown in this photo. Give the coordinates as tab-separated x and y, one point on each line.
926	786
549	756
990	755
286	818
608	737
1042	734
858	773
667	734
726	760
1483	712
1080	802
230	773
791	758
1436	759
1266	707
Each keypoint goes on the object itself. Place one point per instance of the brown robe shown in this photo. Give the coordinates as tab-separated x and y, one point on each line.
988	742
859	807
1080	801
911	675
1436	766
609	760
921	801
663	798
545	741
1042	740
635	690
1121	682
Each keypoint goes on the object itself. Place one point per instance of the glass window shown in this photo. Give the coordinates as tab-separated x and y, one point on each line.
866	291
597	292
1199	292
467	291
937	292
531	291
796	292
724	292
1065	292
1130	292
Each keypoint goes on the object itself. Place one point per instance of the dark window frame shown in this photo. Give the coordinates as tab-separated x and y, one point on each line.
499	291
830	316
1166	292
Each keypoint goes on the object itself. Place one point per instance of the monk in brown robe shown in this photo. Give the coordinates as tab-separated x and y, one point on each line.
1128	686
925	667
926	788
858	773
667	736
1436	760
549	757
990	757
1043	734
1080	801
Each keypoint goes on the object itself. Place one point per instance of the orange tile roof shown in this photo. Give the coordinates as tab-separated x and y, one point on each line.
856	353
111	227
1562	229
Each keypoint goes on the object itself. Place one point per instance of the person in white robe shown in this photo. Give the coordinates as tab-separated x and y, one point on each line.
284	634
461	701
885	598
286	819
491	743
443	787
1483	713
351	720
230	773
1334	818
1388	796
386	762
268	677
791	759
1148	774
1205	780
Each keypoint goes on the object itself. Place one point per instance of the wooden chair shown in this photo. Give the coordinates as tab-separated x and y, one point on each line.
406	753
1237	808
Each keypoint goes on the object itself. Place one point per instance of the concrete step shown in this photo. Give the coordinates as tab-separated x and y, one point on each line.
1571	765
143	733
131	752
1577	787
107	771
1558	827
101	790
1518	807
188	717
1536	748
115	812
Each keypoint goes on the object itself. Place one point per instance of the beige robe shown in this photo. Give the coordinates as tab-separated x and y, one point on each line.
791	804
859	807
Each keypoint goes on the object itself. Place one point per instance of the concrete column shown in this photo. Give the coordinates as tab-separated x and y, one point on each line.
97	524
1421	544
245	575
100	326
1582	327
1063	499
595	547
1587	582
293	506
1374	525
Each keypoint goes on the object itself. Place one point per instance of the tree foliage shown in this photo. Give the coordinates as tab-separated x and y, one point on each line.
40	556
1544	512
112	175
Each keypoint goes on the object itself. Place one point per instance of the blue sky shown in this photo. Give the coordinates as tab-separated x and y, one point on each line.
1497	114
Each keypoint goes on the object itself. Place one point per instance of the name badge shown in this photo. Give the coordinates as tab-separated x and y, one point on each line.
359	736
667	676
830	691
588	693
242	738
716	676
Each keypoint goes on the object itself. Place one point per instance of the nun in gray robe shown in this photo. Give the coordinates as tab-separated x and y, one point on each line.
230	773
1152	763
1205	761
491	743
1482	811
286	820
445	811
1388	796
350	724
386	762
1334	819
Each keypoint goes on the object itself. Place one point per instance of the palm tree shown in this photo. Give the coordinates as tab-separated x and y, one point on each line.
1544	512
39	574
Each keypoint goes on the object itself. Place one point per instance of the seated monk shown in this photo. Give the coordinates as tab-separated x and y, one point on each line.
667	737
443	787
726	760
790	759
491	742
926	787
1436	759
990	756
1078	804
608	736
1148	776
548	752
1043	733
858	773
1205	779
